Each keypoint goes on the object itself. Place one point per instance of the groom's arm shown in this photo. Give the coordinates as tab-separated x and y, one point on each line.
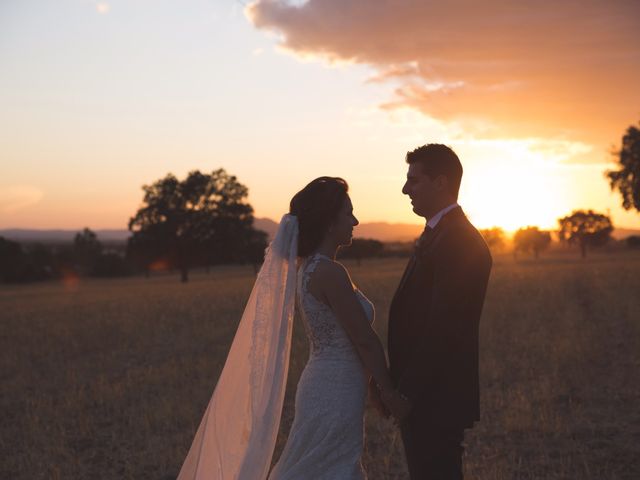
461	271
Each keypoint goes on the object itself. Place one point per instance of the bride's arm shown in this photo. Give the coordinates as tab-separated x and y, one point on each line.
333	281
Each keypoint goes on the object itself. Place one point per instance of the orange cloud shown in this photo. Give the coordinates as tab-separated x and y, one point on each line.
563	69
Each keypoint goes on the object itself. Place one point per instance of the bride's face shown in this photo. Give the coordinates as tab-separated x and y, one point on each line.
342	228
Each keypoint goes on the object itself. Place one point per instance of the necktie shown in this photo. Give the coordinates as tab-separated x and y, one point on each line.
423	237
414	256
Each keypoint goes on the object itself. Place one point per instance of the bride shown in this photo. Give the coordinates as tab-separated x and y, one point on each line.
236	437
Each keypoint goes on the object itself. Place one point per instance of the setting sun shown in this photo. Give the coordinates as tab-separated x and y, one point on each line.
514	185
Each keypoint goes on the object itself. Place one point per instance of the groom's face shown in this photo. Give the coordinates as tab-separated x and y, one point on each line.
424	192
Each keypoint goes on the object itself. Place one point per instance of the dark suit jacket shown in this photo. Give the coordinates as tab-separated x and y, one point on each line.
434	320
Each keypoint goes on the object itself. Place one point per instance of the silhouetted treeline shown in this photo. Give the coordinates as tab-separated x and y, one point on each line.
204	220
362	248
86	256
584	229
633	241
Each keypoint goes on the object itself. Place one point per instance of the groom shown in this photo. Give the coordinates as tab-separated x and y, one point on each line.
434	318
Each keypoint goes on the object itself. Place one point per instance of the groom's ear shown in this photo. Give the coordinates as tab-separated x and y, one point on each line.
442	183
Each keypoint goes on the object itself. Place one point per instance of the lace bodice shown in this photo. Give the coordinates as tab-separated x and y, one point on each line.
326	439
325	333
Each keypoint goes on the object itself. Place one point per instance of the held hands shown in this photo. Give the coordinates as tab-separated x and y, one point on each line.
397	404
376	401
389	402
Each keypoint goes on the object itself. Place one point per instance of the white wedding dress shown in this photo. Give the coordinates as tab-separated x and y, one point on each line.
327	436
237	434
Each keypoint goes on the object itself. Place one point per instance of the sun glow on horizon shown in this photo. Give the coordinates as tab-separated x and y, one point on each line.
509	181
515	183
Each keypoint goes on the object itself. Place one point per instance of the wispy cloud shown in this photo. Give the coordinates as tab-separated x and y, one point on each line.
17	197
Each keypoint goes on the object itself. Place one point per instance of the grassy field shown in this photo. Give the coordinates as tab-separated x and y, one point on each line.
108	379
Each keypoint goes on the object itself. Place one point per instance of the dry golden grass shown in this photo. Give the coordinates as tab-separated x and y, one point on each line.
108	379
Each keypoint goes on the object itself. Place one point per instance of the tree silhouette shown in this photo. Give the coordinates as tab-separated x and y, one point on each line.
627	179
362	248
144	248
633	241
86	250
22	264
494	237
254	246
585	228
201	218
43	258
531	239
12	261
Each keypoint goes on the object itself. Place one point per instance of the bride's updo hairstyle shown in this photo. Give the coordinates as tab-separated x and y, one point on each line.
317	206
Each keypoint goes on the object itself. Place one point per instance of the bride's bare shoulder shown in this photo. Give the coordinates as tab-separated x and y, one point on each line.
330	273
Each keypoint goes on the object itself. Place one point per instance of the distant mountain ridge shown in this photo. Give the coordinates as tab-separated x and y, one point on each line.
386	232
61	236
399	232
383	231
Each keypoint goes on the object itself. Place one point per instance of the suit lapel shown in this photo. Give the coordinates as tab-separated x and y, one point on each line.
423	244
425	237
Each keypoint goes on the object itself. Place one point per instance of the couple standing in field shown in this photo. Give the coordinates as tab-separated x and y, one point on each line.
430	385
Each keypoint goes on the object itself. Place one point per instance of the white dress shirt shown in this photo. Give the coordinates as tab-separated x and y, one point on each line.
433	221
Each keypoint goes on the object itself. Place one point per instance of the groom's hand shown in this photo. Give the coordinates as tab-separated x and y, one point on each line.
396	403
402	411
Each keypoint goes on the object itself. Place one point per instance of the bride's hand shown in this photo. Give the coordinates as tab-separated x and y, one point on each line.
398	404
376	400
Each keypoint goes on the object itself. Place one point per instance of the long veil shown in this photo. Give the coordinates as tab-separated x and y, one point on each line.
237	434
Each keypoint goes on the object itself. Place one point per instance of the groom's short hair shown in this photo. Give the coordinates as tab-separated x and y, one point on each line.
437	159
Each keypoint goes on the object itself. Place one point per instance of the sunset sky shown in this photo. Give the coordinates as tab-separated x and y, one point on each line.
99	98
